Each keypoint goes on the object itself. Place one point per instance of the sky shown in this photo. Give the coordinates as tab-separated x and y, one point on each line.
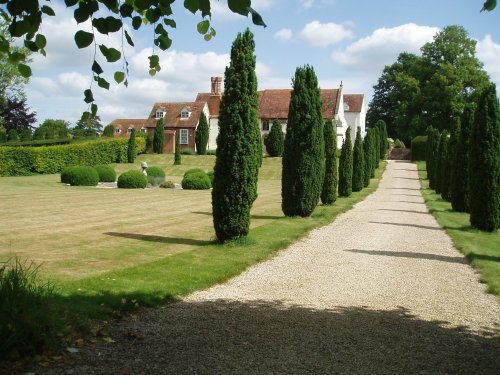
345	41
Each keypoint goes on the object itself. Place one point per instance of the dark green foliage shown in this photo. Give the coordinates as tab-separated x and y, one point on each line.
109	131
188	151
375	151
329	191
196	181
303	158
25	135
177	155
52	129
131	147
239	146
367	150
444	179
450	162
29	321
358	166
345	166
459	185
3	135
193	170
106	173
12	135
381	126
399	144
440	160
418	147
80	175
484	163
201	135
431	153
159	137
275	142
132	180
210	175
149	141
156	175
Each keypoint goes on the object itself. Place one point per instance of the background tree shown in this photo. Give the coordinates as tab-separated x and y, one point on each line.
109	131
329	191
12	135
275	143
16	114
358	173
459	185
239	147
52	129
484	163
89	127
159	137
177	155
201	135
303	157
367	158
26	135
131	147
345	166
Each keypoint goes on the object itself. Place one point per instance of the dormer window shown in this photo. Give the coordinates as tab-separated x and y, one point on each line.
159	114
346	106
143	130
129	130
185	113
118	130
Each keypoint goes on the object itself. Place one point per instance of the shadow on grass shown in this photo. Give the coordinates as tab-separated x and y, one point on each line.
474	256
406	254
265	337
257	217
161	239
407	225
409	211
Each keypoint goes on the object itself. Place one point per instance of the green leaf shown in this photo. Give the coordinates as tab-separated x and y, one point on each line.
192	5
24	70
70	3
170	22
81	14
48	10
256	18
153	61
136	22
152	72
101	82
119	77
111	54
126	10
205	8
489	5
89	98
83	39
4	45
153	15
93	109
143	4
164	42
96	68
203	27
129	39
113	24
239	6
31	45
15	57
19	28
40	41
207	37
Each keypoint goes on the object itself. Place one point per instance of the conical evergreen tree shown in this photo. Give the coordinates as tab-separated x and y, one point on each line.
131	148
345	166
484	163
459	187
239	146
275	141
329	192
358	160
201	135
444	179
431	154
159	137
452	149
376	150
381	126
367	147
303	158
177	155
443	139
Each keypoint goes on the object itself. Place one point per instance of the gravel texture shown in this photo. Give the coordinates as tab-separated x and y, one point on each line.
381	290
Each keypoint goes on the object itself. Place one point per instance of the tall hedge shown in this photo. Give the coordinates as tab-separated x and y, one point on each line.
177	155
368	154
159	137
275	143
19	161
484	163
303	158
418	147
239	147
459	185
452	150
131	147
431	155
201	135
358	166
444	179
329	191
345	166
443	143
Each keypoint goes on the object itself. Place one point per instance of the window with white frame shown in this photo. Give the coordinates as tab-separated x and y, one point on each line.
184	113
118	130
184	136
129	130
143	130
159	114
265	125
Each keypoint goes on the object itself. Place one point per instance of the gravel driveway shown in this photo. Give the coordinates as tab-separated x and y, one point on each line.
381	290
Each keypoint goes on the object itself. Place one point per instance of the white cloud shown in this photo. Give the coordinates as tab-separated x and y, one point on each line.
324	34
372	53
489	53
307	3
284	34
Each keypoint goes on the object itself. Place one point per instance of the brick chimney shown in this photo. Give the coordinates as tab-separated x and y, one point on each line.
216	85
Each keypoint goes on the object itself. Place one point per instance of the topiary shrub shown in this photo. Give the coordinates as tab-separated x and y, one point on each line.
193	170
106	173
156	175
275	141
418	147
399	144
167	185
80	175
196	181
132	180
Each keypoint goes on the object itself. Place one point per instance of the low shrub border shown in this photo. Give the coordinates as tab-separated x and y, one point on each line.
197	180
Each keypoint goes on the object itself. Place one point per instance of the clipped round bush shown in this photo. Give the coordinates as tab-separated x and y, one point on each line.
156	175
132	180
193	170
196	181
80	175
106	173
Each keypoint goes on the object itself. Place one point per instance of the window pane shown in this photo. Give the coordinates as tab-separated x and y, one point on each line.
184	137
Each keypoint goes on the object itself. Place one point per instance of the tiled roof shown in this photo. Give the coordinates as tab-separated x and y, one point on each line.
354	102
172	118
124	123
213	102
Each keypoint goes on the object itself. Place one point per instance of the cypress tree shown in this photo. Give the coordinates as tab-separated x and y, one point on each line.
109	131
439	161
303	157
382	131
452	150
345	166
201	135
159	137
239	147
358	168
444	178
329	192
131	148
177	154
430	154
376	150
484	163
275	140
367	147
459	186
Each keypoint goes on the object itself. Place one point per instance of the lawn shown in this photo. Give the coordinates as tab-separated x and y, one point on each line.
481	248
106	249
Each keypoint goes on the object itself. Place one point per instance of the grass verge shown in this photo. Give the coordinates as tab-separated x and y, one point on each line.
481	248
